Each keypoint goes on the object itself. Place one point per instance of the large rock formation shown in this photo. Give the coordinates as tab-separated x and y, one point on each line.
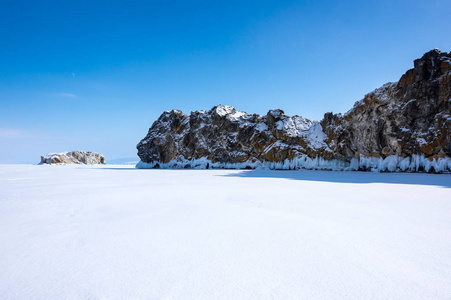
405	125
73	157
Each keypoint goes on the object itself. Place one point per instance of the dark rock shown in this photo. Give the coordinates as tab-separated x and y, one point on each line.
410	118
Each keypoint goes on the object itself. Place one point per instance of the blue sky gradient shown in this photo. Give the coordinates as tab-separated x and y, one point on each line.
94	75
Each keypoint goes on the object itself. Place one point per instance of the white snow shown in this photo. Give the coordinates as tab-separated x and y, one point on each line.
224	110
421	141
408	102
294	126
48	156
297	126
115	232
229	112
261	127
236	115
316	136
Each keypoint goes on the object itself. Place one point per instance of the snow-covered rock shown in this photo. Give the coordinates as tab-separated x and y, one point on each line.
224	135
73	157
401	126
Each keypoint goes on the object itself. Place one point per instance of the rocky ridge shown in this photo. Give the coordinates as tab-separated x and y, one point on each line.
73	157
404	125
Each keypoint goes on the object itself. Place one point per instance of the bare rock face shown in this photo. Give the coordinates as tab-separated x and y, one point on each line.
412	116
404	125
73	157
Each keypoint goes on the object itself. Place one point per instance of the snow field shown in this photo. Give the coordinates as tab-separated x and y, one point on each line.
119	232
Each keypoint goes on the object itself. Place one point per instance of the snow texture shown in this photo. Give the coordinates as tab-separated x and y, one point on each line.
115	232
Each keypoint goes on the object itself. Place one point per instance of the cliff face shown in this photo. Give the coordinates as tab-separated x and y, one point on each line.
73	157
411	116
404	125
224	135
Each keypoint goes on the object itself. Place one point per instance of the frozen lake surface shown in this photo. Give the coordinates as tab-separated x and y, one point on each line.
117	232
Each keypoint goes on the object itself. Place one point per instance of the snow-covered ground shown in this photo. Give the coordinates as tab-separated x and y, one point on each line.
119	232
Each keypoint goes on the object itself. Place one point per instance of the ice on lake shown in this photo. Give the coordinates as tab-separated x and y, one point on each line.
119	232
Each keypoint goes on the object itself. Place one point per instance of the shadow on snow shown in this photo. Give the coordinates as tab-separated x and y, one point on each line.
443	180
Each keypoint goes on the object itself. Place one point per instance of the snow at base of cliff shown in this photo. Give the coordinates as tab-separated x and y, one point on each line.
116	232
393	163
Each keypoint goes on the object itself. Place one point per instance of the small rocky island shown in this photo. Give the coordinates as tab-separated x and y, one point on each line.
73	157
401	126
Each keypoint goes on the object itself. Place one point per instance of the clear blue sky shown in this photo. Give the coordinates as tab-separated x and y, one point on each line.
94	75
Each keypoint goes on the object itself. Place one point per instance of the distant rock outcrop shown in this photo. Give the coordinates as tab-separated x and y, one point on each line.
73	157
404	126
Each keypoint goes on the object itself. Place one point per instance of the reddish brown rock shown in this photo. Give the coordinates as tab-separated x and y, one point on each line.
409	118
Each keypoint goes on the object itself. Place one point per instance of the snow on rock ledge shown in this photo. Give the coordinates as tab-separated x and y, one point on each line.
73	157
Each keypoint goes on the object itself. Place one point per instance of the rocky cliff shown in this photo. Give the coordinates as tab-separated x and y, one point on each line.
73	157
404	125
